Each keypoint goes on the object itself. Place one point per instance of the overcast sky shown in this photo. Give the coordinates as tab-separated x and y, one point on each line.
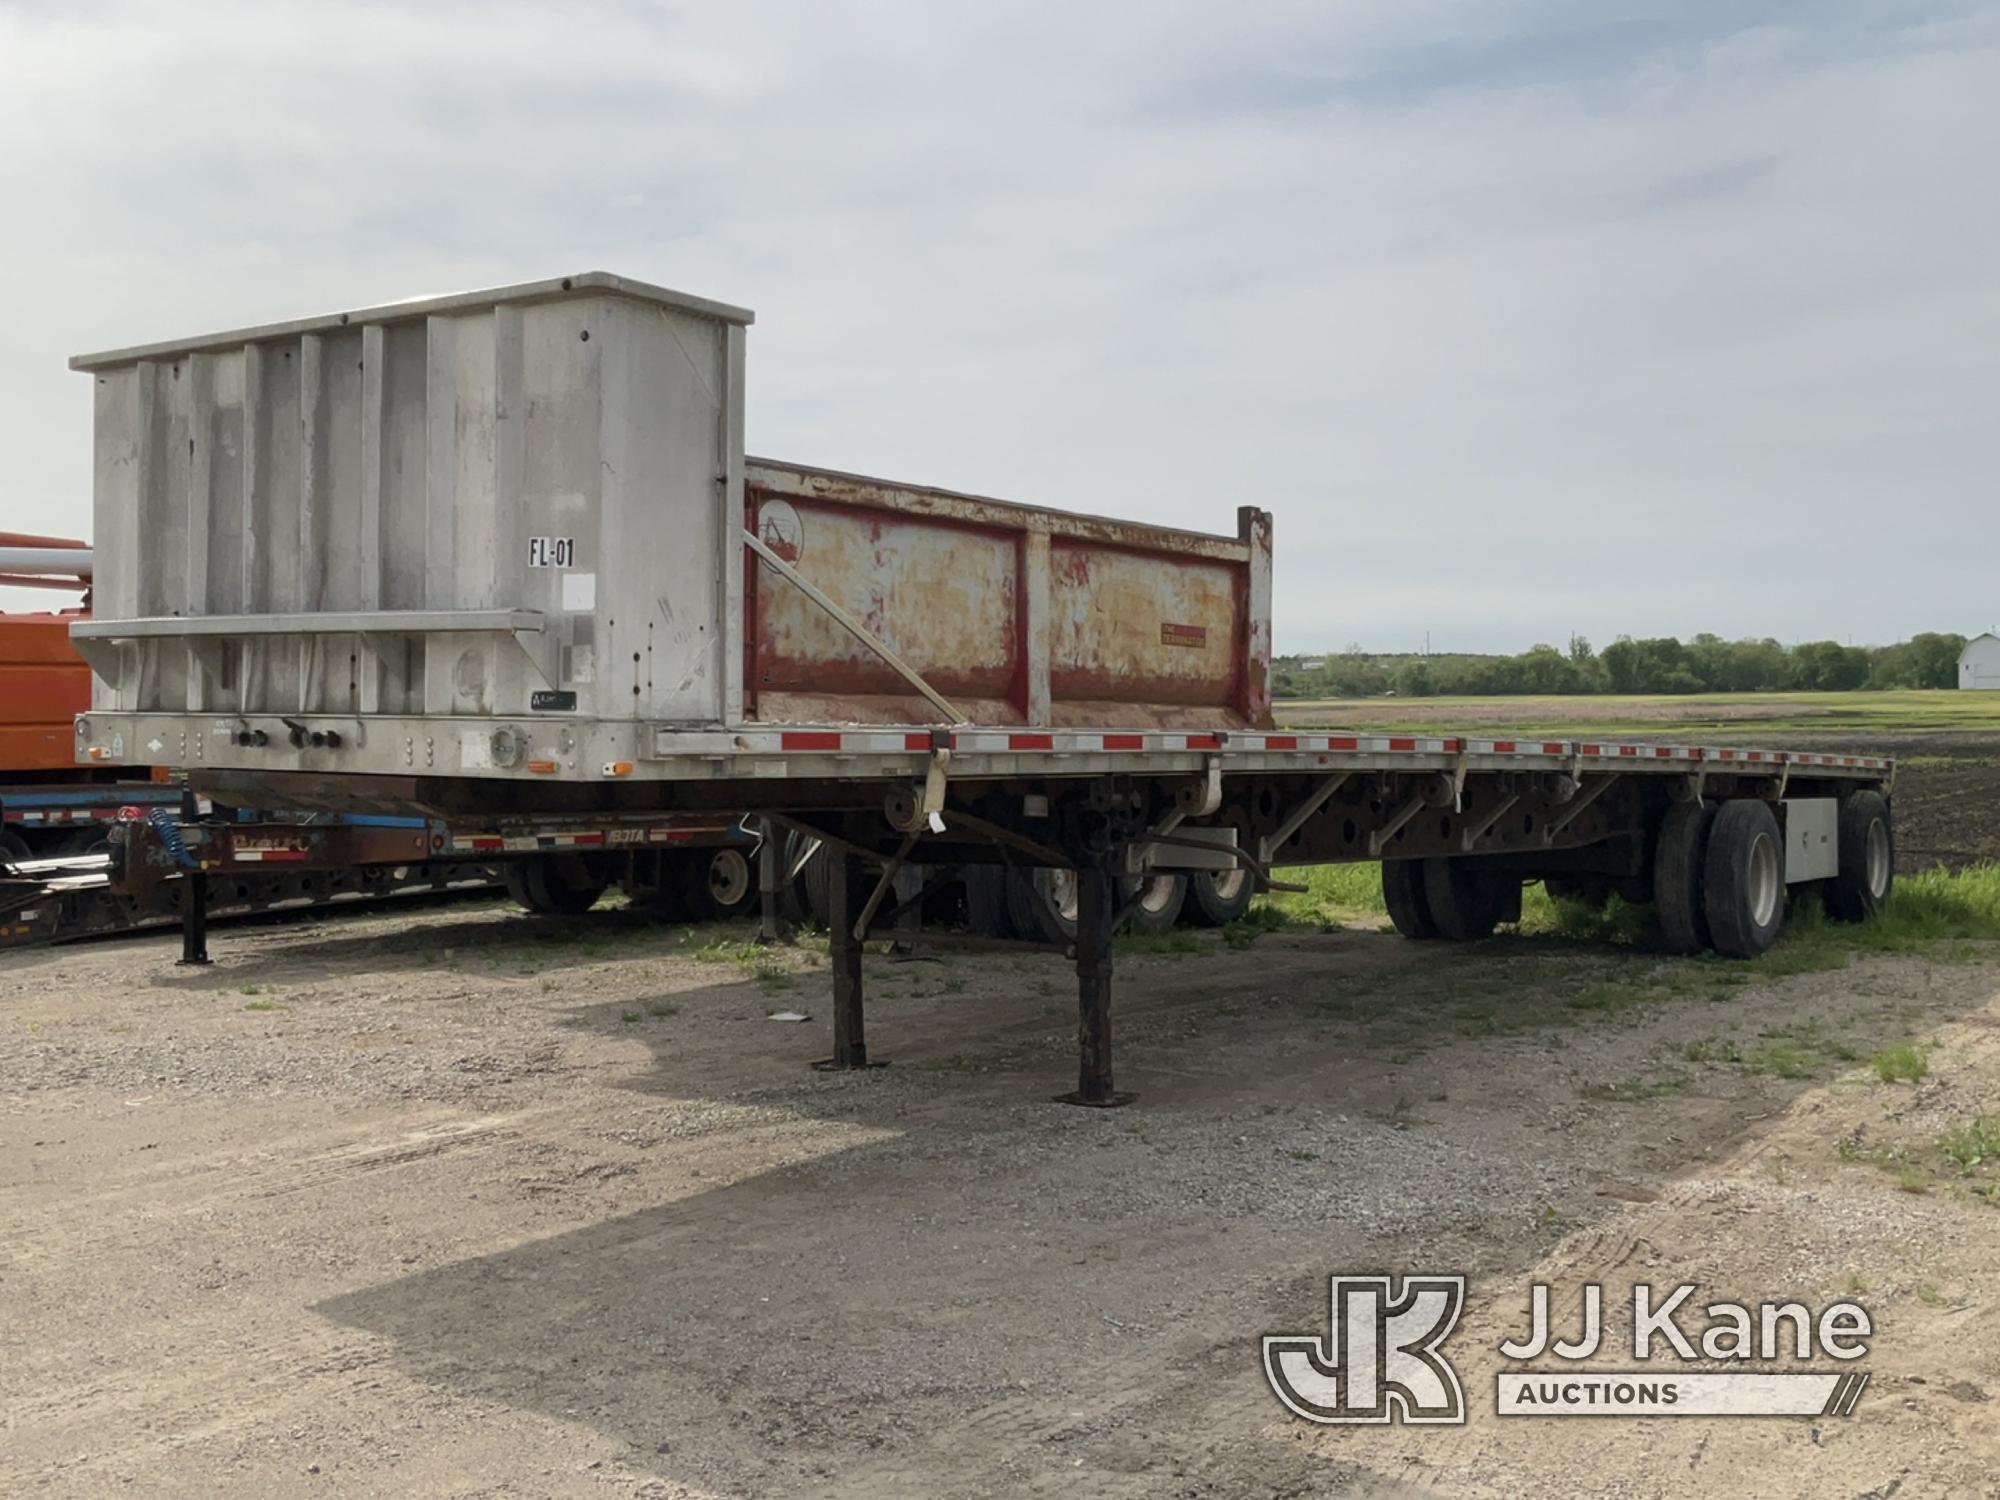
1523	316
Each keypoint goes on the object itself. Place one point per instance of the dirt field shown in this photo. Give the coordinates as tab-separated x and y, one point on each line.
458	1203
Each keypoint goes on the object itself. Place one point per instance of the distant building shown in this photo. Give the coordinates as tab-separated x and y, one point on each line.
1979	663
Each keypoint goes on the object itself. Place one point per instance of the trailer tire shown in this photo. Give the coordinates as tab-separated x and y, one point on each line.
1679	879
1466	902
815	886
1867	859
1157	902
514	875
986	913
565	885
1215	898
1743	879
1052	917
1403	894
722	882
793	907
13	848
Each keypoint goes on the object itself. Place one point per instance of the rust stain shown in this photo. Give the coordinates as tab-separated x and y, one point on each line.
1125	624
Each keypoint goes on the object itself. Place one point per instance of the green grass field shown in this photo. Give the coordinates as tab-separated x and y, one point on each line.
1843	714
1937	907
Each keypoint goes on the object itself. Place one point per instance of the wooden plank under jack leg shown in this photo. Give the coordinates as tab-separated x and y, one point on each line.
1095	918
847	877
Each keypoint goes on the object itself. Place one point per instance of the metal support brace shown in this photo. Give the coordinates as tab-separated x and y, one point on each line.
882	885
850	1046
194	890
194	919
1576	808
1458	770
1211	789
1041	853
913	903
1318	798
931	809
770	881
808	847
853	627
1379	839
1689	788
1470	836
1244	858
1094	917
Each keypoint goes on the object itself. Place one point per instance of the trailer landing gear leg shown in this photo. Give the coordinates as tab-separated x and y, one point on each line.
1094	920
846	879
194	918
770	878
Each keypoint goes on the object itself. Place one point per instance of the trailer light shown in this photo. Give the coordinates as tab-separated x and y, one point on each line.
618	768
98	752
542	767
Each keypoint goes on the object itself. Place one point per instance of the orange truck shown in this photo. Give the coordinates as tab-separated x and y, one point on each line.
44	684
53	810
48	804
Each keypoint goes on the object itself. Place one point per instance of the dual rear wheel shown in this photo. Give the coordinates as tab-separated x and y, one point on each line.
682	884
1458	900
1718	879
1041	903
1719	872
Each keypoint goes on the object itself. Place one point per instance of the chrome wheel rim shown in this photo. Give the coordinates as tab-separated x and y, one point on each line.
1766	883
1227	884
1157	893
1062	893
1878	858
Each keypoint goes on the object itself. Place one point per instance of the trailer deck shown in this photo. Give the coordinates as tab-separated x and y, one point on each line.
501	561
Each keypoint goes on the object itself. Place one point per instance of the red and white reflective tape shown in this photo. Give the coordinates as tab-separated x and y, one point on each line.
836	741
1079	742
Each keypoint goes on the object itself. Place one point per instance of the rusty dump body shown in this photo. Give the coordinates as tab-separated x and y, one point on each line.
1019	615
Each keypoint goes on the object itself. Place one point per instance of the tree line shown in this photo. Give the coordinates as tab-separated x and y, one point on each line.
1706	664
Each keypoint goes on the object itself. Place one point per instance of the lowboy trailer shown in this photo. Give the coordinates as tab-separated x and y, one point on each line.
500	557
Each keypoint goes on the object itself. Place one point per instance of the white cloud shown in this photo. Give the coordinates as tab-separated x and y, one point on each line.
1522	317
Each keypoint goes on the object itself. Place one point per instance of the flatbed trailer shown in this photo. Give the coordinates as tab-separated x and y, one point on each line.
501	557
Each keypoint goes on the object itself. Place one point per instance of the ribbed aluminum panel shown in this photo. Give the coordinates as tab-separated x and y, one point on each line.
469	505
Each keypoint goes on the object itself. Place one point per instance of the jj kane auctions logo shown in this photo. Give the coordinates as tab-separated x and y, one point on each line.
1382	1358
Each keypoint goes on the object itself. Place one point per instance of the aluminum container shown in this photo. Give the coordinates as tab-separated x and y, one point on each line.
436	508
505	533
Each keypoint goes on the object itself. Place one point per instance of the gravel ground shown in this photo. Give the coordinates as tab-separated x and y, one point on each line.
459	1203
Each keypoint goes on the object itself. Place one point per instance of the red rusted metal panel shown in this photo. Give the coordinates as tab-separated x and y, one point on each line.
1020	615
